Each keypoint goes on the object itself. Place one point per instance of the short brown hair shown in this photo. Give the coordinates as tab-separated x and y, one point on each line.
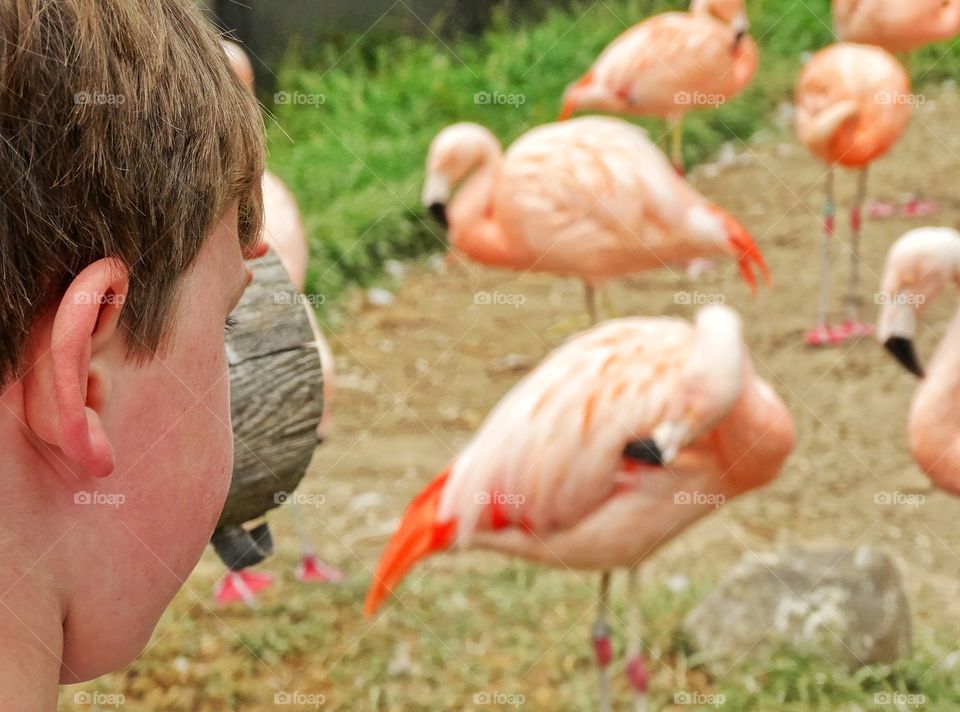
123	133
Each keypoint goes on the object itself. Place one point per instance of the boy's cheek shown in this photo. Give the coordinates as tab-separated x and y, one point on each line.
181	459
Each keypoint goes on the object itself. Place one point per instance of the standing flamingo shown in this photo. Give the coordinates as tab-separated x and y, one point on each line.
592	197
670	64
853	104
619	440
283	225
895	25
919	265
283	231
899	27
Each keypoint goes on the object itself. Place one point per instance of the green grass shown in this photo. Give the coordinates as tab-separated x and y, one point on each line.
468	634
356	160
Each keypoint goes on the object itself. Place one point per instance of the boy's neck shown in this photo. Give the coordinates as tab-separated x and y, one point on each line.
32	634
31	612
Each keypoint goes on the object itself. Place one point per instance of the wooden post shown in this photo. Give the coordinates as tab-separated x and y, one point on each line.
276	392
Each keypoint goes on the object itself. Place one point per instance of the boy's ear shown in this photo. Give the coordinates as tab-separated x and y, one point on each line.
68	383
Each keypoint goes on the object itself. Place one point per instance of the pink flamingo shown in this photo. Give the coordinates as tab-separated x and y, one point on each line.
898	27
283	231
670	64
919	265
853	104
895	25
619	440
283	224
592	197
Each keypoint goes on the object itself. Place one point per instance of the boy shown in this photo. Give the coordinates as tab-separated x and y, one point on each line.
129	198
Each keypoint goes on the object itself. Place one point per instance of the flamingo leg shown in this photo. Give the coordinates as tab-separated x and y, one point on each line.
853	327
636	665
602	648
676	150
310	569
821	335
590	299
608	305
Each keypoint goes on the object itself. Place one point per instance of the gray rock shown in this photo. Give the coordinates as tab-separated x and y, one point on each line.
847	606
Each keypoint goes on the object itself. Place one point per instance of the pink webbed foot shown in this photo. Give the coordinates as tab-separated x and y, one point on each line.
313	570
919	208
241	586
881	209
853	329
822	335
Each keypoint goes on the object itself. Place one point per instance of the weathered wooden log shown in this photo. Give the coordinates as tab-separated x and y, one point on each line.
276	392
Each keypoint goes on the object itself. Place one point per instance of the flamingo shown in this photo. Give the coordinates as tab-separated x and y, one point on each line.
592	197
670	64
895	25
283	224
918	267
284	232
852	106
898	27
619	440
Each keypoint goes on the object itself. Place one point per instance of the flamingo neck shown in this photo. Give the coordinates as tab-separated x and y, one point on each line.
474	200
935	414
754	439
701	8
474	229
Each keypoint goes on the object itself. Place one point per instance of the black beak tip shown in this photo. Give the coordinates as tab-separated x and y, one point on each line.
439	212
644	451
902	350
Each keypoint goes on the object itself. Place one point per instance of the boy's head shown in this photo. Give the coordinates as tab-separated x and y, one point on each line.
131	159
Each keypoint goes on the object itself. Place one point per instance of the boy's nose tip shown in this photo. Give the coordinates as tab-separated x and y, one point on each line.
257	250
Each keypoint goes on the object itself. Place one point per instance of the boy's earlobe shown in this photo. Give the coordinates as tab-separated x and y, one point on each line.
68	383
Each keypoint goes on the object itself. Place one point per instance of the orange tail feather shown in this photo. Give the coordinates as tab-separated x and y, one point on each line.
418	536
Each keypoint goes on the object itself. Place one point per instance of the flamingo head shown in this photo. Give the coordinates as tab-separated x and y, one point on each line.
454	154
919	265
588	93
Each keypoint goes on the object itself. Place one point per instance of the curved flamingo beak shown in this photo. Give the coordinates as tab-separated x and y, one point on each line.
747	254
572	96
903	350
895	330
436	193
741	27
439	212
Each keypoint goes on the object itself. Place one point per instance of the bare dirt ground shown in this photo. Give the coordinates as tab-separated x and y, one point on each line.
419	375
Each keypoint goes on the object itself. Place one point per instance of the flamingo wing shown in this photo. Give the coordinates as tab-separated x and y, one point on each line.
673	63
896	26
592	196
550	452
853	103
